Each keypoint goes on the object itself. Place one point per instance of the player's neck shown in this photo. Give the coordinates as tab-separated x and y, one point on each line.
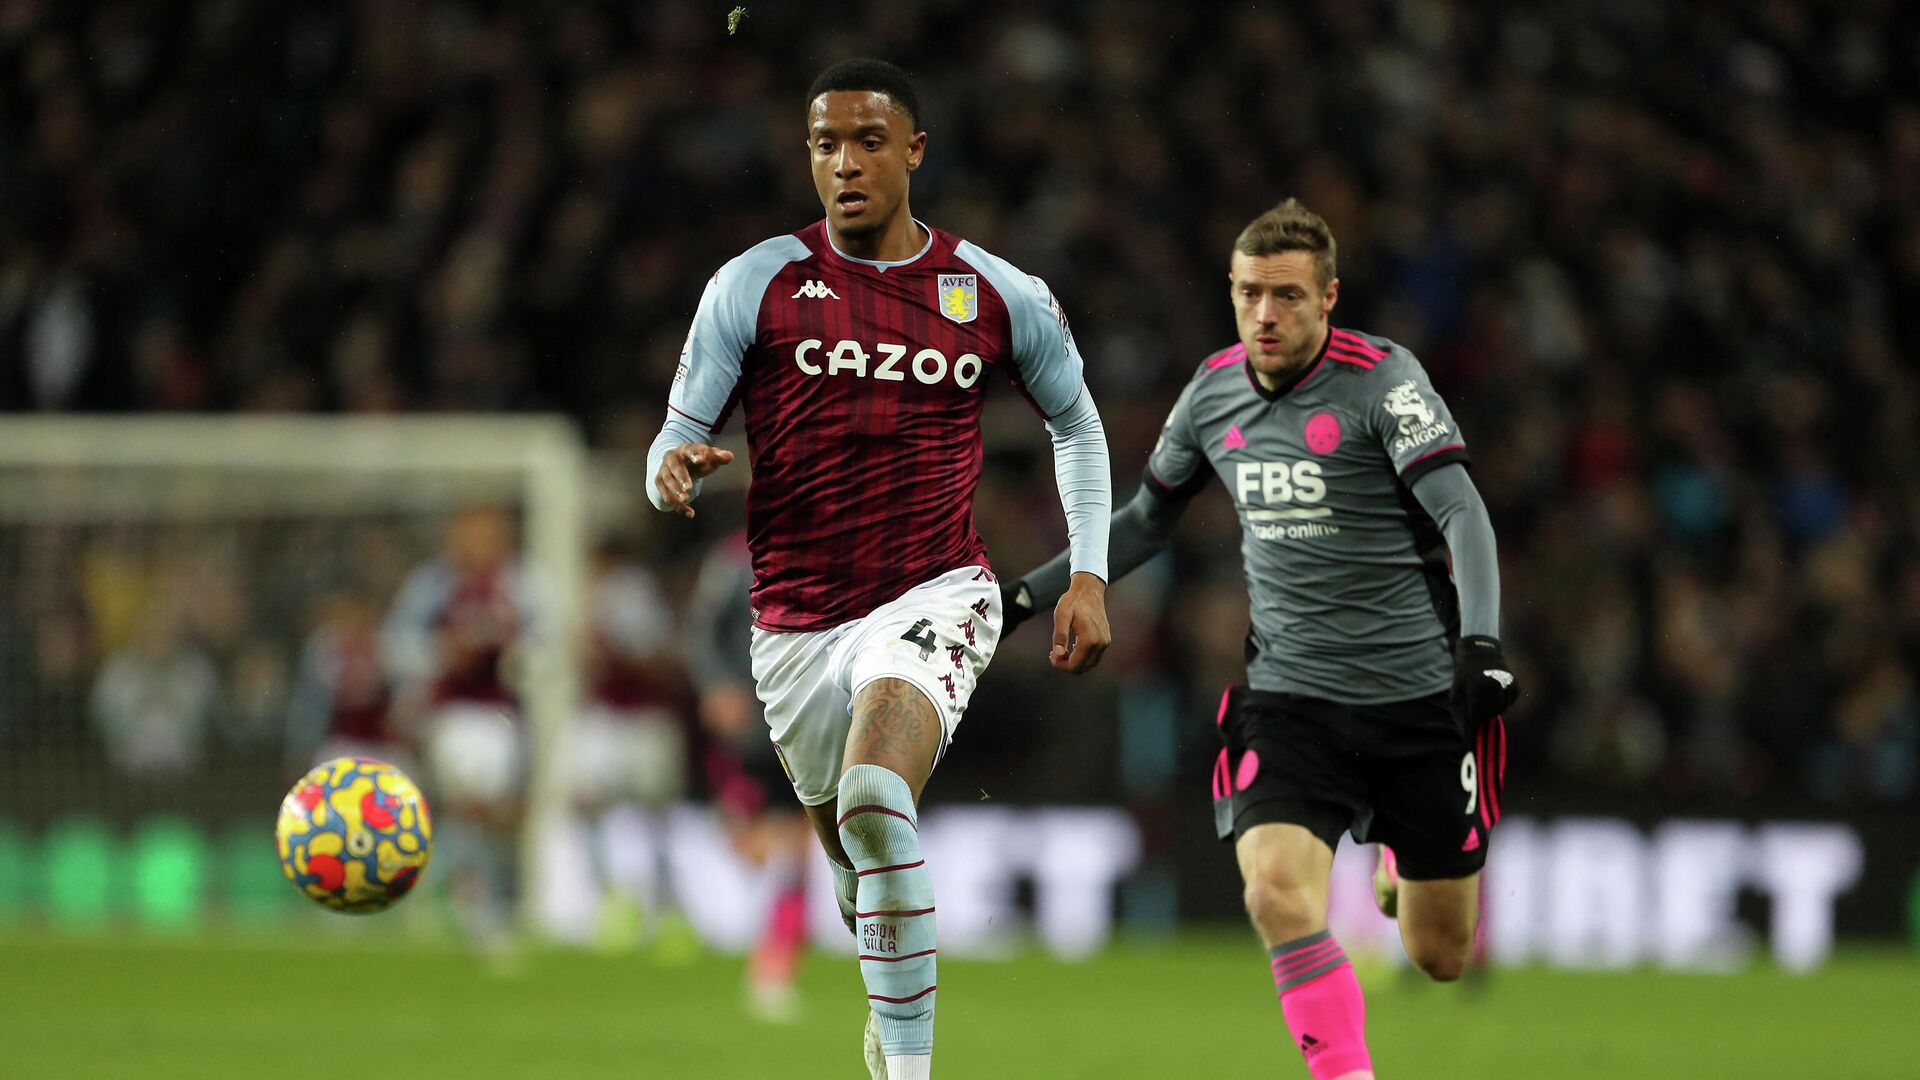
1297	366
901	240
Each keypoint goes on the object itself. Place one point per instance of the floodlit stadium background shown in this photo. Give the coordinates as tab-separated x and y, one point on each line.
1660	258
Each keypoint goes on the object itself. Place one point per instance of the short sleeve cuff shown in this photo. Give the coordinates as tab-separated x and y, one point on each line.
1185	489
1434	459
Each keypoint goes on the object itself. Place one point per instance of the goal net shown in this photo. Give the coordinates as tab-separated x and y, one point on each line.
197	609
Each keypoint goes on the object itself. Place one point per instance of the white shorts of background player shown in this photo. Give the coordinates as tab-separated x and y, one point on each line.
473	753
628	755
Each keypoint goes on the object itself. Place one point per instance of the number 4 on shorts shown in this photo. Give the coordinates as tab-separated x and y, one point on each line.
920	635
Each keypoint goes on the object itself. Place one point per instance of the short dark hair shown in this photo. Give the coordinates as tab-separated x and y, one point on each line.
877	76
1292	227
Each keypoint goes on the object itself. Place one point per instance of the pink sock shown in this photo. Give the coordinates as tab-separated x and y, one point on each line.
1322	1002
786	932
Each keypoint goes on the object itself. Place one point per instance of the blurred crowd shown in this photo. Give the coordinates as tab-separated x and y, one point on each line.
142	658
1654	254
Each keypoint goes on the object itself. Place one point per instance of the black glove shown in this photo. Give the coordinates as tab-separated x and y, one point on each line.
1483	683
1016	601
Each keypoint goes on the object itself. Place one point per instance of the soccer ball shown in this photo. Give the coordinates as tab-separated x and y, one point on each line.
354	835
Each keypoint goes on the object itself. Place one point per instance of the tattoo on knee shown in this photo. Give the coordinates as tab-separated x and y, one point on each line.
892	719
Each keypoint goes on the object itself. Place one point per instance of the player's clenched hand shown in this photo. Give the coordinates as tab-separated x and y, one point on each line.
681	467
1483	682
1080	632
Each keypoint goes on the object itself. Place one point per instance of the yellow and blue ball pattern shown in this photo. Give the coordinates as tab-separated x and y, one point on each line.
354	835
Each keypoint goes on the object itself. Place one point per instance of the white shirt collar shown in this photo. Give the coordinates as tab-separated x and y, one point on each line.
884	266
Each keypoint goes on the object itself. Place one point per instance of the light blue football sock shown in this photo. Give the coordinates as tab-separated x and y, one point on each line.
894	907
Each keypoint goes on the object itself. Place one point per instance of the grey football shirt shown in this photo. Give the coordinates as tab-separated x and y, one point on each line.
1347	573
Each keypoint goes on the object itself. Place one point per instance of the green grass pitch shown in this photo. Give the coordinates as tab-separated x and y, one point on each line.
1195	1006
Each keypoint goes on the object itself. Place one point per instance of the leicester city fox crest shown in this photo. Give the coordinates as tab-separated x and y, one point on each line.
959	296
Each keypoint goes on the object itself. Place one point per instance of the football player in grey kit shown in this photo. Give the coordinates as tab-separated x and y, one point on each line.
1376	679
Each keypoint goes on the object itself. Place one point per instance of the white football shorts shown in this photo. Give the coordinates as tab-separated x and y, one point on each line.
473	753
628	755
938	636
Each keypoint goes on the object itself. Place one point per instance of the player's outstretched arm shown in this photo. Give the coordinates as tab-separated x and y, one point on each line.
676	478
1141	530
1483	683
703	388
1080	630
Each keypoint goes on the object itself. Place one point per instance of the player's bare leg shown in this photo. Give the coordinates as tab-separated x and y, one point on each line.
882	881
1437	921
1286	869
896	728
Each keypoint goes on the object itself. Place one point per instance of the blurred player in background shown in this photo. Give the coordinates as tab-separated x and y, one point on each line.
1376	679
342	699
744	771
630	749
859	351
156	697
450	642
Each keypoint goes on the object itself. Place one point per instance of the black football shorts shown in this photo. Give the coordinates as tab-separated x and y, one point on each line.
1402	774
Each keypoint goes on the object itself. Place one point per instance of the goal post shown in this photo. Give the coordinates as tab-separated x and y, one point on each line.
261	486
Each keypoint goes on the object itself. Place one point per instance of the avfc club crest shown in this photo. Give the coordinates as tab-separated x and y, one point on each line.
959	297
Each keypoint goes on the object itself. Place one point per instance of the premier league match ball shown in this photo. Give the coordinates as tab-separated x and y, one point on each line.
354	835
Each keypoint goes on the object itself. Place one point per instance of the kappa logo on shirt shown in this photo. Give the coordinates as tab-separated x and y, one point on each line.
815	290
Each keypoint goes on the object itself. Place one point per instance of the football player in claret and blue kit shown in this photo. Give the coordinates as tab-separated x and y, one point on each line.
858	352
1376	681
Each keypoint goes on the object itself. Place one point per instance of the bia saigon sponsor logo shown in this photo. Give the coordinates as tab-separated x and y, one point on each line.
1418	423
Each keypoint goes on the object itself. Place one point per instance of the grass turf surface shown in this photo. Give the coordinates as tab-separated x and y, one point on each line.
1198	1006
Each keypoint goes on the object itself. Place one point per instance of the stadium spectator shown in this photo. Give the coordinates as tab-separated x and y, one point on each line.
155	701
